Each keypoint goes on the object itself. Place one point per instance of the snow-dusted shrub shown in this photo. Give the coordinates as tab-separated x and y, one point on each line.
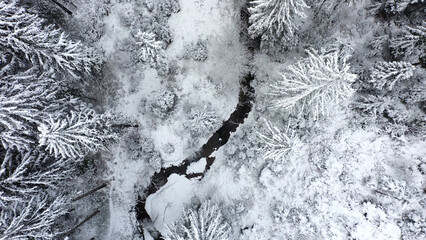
203	223
88	23
280	212
378	223
168	7
397	131
141	148
387	74
150	50
162	103
158	25
76	134
163	7
241	148
299	224
413	225
276	22
390	186
410	40
277	145
196	51
32	219
313	85
202	121
27	36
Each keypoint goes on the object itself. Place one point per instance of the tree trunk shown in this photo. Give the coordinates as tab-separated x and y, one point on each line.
89	192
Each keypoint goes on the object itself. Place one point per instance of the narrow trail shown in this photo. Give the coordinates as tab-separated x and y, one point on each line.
218	139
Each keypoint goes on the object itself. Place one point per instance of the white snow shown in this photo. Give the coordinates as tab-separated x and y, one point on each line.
166	205
197	167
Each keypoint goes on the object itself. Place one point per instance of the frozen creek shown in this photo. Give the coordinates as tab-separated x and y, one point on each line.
218	139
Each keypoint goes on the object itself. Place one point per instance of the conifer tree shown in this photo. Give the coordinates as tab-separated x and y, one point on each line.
276	144
204	223
387	74
276	21
23	174
75	135
410	40
27	37
32	219
313	84
24	99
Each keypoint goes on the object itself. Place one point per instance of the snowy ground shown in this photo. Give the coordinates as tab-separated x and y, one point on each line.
329	189
213	83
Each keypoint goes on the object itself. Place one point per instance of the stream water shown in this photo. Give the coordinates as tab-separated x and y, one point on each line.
218	139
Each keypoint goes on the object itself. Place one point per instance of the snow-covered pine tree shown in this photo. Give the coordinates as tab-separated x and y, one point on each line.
32	219
150	50
373	106
276	22
314	84
276	144
23	100
410	40
333	4
387	74
204	223
23	174
26	36
76	134
396	6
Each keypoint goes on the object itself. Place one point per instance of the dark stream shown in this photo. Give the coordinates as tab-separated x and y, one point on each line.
218	139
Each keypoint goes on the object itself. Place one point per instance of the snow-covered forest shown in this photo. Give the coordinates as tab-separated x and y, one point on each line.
213	119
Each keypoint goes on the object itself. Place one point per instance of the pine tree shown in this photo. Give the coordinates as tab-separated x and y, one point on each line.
24	99
23	174
277	144
150	50
333	4
32	219
396	6
26	36
74	135
387	74
373	105
204	223
410	40
314	84
276	21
